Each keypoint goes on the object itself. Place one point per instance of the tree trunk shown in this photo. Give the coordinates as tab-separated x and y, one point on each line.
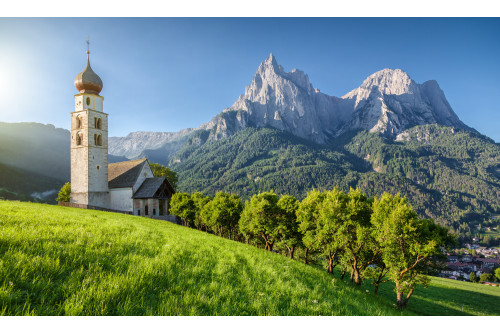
330	262
305	256
357	278
355	270
291	251
379	279
342	275
399	297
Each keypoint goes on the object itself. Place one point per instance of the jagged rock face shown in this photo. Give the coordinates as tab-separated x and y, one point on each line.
388	101
286	101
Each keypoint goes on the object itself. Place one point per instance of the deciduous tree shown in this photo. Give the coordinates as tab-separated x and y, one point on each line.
64	195
260	218
200	201
407	243
160	171
307	215
182	205
223	213
288	226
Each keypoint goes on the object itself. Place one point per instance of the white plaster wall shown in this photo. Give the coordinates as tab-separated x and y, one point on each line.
145	173
121	199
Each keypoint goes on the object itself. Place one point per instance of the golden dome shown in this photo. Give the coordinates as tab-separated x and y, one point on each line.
88	81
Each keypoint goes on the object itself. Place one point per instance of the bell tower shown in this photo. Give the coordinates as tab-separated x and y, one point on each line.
89	142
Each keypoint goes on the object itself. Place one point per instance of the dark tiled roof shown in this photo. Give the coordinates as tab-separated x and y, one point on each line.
150	187
124	174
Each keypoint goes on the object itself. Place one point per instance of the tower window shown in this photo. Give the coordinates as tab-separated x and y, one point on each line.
97	140
88	101
98	123
98	167
78	122
79	139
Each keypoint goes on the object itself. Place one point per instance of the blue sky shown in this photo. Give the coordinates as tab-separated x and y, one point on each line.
166	74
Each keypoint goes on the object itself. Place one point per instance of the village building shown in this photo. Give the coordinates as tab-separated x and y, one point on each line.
129	186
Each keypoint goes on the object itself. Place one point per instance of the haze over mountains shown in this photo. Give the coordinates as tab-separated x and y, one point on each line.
387	102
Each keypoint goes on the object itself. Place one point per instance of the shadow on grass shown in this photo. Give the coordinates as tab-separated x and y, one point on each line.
440	301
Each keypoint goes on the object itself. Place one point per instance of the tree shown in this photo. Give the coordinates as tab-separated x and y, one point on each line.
260	218
408	244
377	274
223	213
354	234
307	215
497	274
487	278
64	195
288	226
200	201
473	277
182	205
162	171
321	215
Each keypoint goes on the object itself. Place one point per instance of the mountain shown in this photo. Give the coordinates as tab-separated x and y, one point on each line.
34	160
387	102
389	134
37	148
136	143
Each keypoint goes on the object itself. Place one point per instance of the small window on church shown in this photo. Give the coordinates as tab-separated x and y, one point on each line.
98	123
98	140
79	139
98	167
88	101
154	212
78	122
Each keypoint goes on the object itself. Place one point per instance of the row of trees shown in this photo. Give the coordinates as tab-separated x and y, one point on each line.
379	238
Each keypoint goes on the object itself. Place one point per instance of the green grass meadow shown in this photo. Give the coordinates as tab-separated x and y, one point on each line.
66	261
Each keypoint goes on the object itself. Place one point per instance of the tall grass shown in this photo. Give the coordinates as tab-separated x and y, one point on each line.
66	261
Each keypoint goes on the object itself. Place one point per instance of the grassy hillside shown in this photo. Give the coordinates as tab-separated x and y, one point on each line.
56	260
65	261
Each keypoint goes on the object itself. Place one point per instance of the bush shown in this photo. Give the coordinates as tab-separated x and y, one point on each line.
64	194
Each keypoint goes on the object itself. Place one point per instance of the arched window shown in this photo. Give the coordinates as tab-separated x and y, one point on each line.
79	139
146	210
78	122
98	139
88	101
98	123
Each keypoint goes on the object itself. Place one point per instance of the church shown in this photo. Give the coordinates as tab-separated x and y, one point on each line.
129	186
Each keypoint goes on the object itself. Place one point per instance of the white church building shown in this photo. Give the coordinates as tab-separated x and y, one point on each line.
128	186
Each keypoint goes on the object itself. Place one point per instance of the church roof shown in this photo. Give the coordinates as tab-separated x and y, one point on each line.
152	188
124	174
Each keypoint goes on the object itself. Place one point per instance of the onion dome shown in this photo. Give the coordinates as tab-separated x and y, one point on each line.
88	81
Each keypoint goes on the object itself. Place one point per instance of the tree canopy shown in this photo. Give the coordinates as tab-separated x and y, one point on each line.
64	195
163	171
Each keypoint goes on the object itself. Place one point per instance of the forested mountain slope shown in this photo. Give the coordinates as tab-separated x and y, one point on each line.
448	174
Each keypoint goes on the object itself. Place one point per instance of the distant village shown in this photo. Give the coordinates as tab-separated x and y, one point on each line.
475	258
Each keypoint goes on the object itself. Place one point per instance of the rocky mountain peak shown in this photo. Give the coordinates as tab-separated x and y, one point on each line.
386	82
